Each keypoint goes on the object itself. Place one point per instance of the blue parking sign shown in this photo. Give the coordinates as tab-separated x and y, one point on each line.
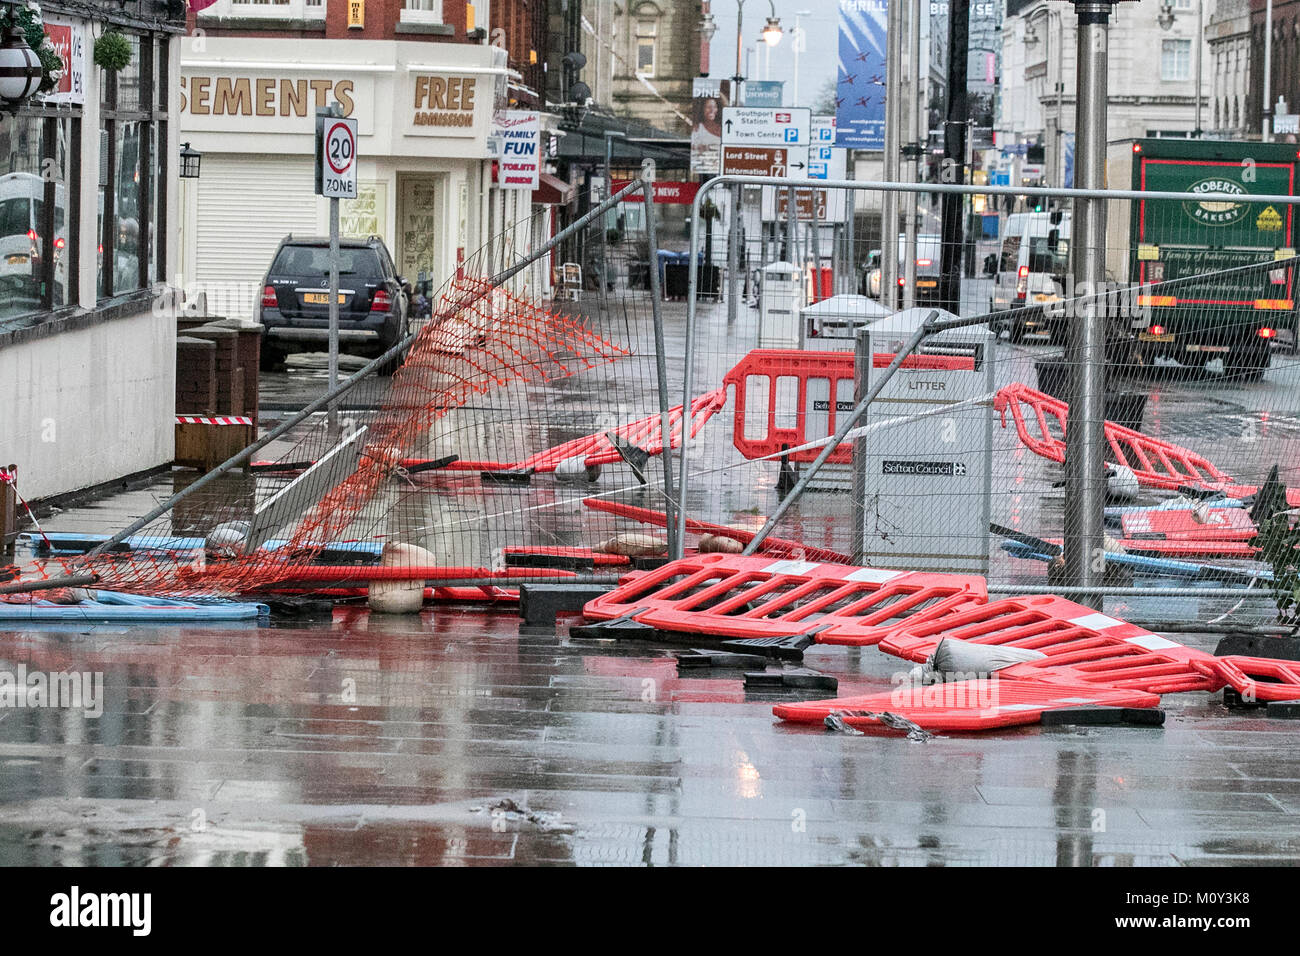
792	136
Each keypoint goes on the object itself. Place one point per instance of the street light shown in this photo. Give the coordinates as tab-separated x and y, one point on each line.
20	69
771	35
1166	18
190	159
798	41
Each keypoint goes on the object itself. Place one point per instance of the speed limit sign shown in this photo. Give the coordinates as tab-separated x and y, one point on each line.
336	158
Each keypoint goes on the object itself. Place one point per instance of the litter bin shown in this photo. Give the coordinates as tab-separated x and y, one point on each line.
922	487
781	300
674	273
832	324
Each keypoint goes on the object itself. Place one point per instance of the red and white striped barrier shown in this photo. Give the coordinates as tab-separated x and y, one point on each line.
213	420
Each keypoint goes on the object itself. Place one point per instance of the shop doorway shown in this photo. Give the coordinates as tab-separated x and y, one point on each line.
420	246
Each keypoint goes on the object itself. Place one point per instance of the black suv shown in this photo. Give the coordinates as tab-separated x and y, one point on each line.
374	301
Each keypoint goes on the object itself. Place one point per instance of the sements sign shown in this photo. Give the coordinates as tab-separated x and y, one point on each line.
336	157
520	163
753	126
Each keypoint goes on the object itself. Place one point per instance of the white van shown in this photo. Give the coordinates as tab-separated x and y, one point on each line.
22	205
1031	270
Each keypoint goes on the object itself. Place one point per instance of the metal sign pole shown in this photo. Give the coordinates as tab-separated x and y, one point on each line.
893	115
333	413
1085	479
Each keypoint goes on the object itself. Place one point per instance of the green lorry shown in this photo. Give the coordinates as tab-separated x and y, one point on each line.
1234	317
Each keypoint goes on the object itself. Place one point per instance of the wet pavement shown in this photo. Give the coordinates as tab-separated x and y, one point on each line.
461	737
375	740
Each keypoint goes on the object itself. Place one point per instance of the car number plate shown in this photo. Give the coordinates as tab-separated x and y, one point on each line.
1044	297
1148	337
320	298
15	260
926	283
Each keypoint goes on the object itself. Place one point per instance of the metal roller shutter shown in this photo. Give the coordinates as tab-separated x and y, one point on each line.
246	205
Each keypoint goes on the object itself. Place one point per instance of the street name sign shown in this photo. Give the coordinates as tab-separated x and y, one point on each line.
778	161
754	126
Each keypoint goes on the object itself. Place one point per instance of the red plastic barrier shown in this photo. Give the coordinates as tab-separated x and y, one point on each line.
1156	463
823	389
771	545
1082	645
756	597
963	706
645	433
596	557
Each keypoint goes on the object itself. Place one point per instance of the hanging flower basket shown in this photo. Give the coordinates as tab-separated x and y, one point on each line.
112	51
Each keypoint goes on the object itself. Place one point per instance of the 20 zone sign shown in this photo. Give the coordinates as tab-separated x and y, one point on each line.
337	159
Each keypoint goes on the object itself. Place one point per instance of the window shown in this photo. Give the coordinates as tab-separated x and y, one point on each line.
132	199
645	46
1175	59
37	236
421	11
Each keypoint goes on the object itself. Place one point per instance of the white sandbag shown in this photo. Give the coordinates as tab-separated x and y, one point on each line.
576	469
633	545
1121	482
962	660
399	597
226	540
719	544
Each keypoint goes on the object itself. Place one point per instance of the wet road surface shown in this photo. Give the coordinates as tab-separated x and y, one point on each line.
460	737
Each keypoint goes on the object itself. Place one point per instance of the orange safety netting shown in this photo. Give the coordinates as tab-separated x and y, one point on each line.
480	339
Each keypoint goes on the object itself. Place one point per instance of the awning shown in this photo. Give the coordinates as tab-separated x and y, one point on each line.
552	191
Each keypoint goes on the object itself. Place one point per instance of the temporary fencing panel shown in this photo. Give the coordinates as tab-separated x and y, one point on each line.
753	597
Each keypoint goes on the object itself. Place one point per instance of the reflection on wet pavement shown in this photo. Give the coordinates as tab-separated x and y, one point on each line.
374	740
386	741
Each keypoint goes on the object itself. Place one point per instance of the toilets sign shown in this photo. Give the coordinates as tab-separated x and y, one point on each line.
519	160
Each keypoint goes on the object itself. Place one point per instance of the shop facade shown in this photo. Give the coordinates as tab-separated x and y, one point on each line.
424	113
88	186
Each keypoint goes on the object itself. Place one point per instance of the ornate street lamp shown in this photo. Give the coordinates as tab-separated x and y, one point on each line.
772	32
20	69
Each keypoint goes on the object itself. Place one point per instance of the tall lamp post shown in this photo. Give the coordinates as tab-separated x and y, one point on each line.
1166	19
771	34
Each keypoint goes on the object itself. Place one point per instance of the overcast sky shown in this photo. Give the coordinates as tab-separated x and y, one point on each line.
817	63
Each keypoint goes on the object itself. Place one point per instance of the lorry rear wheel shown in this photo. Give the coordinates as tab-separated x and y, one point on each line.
1246	363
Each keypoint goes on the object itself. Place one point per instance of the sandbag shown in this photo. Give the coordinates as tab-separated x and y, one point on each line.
719	544
399	597
633	544
956	660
